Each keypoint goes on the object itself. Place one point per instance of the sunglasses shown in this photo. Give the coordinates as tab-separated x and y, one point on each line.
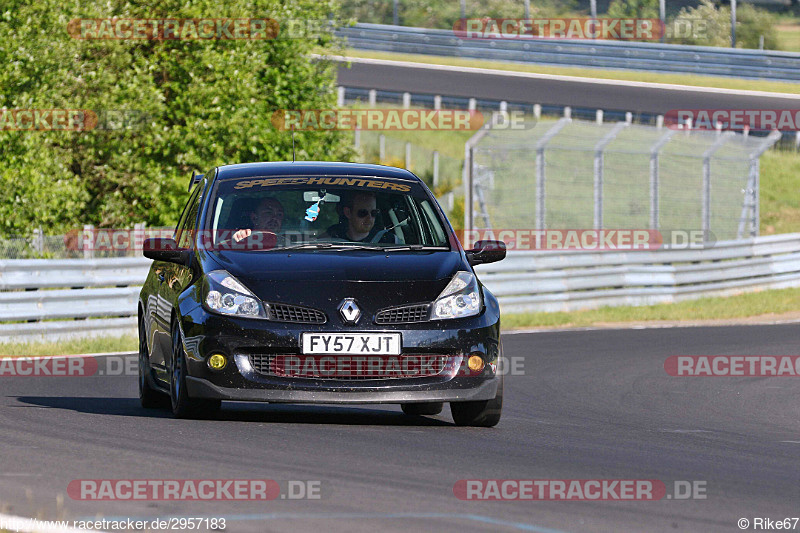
361	213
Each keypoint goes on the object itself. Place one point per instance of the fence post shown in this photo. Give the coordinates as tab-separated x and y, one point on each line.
660	121
435	168
382	147
599	116
537	111
540	170
37	243
340	96
138	237
706	196
753	185
473	104
654	176
437	102
598	171
88	241
567	112
469	171
373	97
755	167
357	138
406	100
408	155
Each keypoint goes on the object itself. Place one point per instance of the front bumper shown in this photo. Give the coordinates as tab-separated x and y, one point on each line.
237	338
484	390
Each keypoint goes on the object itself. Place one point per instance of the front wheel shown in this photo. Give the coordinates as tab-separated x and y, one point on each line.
182	405
482	413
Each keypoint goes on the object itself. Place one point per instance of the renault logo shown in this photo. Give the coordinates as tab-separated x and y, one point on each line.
349	311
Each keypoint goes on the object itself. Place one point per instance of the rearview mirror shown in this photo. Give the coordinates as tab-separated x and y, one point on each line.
486	252
313	196
165	249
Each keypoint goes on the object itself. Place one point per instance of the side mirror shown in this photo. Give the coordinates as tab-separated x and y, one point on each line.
486	252
165	249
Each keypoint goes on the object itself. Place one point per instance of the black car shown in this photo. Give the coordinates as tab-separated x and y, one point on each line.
318	283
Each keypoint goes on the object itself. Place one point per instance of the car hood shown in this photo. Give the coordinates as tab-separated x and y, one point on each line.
323	278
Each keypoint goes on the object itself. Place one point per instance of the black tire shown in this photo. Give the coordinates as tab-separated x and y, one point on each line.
182	405
483	413
425	408
149	397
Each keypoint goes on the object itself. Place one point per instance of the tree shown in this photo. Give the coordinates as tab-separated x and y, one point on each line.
196	104
640	9
710	25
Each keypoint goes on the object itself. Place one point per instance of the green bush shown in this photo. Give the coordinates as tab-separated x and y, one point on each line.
444	13
203	103
642	9
751	24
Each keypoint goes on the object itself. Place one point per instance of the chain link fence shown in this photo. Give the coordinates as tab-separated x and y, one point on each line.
86	243
566	173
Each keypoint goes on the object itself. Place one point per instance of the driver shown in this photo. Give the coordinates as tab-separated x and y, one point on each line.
267	217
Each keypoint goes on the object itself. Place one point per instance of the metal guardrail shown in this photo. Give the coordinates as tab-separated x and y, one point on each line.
566	281
50	299
36	303
656	57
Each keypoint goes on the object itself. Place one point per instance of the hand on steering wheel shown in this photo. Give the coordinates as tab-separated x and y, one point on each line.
245	233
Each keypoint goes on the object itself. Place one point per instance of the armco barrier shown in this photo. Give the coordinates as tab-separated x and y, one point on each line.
54	299
654	57
567	281
49	299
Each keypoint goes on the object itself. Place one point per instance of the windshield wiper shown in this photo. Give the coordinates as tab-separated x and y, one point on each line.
301	246
354	246
324	246
412	247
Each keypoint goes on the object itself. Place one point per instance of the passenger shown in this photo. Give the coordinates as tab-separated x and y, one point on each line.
360	212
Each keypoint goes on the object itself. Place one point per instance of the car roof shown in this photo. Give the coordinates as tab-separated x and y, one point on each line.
303	168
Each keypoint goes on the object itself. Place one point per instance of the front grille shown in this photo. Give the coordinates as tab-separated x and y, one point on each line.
296	314
374	367
261	363
403	315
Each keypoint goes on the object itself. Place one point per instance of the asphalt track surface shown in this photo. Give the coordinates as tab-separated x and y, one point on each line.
592	404
470	83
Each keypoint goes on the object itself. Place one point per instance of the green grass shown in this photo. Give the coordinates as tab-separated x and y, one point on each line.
789	35
764	304
780	192
127	343
679	79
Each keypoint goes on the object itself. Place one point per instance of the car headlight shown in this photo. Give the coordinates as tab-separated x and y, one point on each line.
226	295
461	298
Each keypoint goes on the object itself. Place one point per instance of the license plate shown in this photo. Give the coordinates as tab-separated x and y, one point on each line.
351	343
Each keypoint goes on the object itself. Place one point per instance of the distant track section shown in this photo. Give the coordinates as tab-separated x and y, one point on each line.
530	88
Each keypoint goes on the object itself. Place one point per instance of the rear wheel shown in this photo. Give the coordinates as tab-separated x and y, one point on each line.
483	413
425	408
149	397
182	405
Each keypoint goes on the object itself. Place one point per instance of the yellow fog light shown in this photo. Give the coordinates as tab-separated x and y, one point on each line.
475	363
217	361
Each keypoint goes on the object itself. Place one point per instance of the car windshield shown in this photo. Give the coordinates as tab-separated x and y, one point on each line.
309	212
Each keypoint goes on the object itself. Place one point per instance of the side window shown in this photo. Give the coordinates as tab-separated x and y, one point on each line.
432	225
187	223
